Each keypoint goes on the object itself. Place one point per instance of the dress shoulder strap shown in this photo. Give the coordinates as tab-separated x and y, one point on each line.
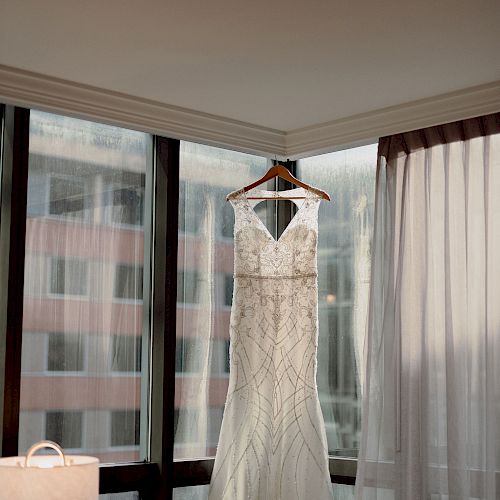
234	195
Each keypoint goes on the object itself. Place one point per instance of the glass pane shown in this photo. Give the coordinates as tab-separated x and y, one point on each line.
204	290
64	428
345	230
343	492
83	302
191	493
128	495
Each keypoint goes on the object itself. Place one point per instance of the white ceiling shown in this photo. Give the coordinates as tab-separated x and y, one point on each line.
273	63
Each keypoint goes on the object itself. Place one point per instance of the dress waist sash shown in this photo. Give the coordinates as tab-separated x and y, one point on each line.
290	277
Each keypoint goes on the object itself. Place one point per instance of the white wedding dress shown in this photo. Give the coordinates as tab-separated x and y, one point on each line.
272	443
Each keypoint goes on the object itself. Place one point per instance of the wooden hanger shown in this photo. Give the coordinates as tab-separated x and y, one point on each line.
281	171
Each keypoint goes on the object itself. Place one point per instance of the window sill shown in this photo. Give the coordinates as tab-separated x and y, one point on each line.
198	471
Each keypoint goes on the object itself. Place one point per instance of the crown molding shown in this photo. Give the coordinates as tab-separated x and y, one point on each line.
25	88
368	127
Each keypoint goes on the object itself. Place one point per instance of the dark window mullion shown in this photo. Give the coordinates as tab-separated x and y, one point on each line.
165	241
15	146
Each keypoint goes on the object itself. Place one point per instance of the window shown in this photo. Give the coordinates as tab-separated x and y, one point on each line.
191	492
228	289
205	263
69	276
67	197
64	428
125	428
124	202
190	207
65	353
70	170
227	345
128	495
345	230
126	354
227	220
187	359
100	175
128	282
187	425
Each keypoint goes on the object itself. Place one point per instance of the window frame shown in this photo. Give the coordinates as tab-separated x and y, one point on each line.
157	477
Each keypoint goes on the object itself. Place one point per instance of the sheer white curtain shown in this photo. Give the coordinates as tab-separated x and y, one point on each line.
431	411
83	380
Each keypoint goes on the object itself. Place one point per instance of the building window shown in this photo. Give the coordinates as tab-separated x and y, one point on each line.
67	197
126	353
227	220
227	345
65	352
125	203
128	282
187	356
187	287
228	289
64	428
125	428
69	276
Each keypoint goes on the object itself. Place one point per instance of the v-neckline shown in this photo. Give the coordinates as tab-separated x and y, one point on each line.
259	220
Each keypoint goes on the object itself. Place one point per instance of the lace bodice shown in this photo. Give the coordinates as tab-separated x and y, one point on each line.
257	252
